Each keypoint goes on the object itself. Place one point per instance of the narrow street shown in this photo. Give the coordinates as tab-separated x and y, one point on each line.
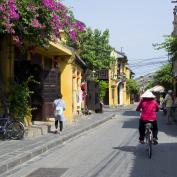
109	150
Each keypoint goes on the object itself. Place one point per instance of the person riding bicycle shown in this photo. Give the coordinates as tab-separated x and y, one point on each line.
148	108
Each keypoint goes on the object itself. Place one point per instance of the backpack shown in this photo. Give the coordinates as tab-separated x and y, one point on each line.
58	110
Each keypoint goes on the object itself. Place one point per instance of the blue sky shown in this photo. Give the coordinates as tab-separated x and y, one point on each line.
134	26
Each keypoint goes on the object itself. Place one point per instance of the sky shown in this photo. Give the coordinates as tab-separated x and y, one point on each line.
133	25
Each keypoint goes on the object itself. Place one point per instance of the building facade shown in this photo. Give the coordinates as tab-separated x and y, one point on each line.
116	76
56	68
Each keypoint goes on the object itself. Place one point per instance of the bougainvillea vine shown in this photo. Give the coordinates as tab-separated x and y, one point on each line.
37	21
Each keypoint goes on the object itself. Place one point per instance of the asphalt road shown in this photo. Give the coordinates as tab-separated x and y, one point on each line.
109	150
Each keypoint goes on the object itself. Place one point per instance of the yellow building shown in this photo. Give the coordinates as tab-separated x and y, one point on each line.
113	81
116	77
117	80
57	68
78	69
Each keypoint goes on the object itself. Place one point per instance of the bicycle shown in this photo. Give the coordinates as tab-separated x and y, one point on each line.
11	129
148	138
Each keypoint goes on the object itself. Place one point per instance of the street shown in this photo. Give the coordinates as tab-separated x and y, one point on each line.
109	150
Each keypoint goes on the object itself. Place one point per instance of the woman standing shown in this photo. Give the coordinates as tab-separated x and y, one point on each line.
59	108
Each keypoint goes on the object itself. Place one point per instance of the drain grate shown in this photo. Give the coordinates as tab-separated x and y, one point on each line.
48	172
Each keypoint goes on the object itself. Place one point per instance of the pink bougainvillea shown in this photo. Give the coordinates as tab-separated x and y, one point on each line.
37	21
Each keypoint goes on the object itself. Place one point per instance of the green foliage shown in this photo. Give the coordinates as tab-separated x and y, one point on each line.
37	21
19	99
132	86
94	48
164	76
169	45
103	86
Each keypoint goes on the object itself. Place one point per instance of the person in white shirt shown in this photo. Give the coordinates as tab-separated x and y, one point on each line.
59	108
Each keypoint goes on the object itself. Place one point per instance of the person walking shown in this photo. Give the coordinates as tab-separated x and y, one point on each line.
148	107
59	108
169	101
163	106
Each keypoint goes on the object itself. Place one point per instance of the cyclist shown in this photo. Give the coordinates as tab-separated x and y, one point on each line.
148	108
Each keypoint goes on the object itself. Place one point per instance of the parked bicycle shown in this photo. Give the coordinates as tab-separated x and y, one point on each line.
148	138
11	128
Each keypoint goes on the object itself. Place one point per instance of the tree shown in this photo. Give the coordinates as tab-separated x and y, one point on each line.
94	48
170	45
103	86
164	77
37	21
132	86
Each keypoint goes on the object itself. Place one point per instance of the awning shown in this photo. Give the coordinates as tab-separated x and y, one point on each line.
55	49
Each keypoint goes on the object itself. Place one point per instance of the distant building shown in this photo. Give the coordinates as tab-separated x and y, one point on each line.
116	78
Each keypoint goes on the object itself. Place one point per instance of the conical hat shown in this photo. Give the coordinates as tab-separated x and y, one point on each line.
147	94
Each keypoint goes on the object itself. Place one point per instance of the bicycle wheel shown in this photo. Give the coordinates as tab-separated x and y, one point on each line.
149	147
15	130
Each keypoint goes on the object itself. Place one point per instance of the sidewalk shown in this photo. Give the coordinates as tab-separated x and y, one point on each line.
14	153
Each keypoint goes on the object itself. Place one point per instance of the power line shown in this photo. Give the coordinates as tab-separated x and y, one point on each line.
147	71
148	61
154	58
147	64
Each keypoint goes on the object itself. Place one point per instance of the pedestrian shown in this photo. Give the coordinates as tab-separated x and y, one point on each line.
148	107
169	102
163	105
59	108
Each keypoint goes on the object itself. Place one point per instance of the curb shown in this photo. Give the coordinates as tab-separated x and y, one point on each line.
4	167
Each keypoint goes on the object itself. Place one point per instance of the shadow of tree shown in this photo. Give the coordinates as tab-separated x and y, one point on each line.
162	164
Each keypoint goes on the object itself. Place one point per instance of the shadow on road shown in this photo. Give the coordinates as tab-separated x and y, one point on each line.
133	123
162	164
131	113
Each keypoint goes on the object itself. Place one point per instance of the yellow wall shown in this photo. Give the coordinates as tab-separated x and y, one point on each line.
77	73
66	87
113	80
71	76
127	95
